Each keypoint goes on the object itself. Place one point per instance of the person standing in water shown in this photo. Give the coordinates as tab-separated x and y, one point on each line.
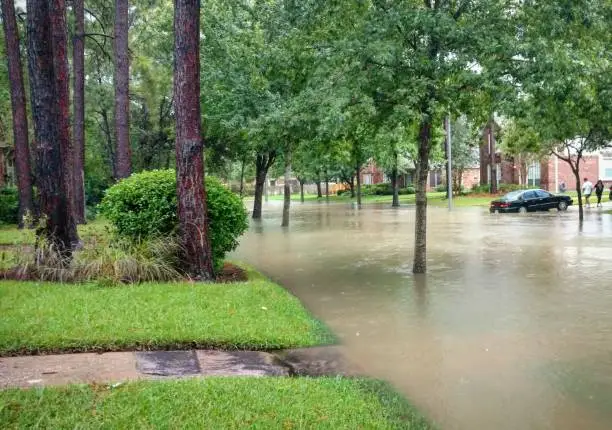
599	189
587	190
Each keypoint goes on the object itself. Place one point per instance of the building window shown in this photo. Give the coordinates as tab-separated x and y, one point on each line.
533	175
606	168
367	179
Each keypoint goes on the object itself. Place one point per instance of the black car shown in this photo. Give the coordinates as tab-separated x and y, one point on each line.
530	201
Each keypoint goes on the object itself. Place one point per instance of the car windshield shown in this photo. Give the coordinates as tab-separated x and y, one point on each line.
513	195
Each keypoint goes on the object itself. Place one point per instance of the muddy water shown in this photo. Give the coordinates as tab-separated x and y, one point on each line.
510	329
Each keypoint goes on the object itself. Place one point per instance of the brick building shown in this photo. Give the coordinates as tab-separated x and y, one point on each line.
554	171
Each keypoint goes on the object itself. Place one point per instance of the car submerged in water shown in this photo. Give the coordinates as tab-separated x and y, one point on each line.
523	201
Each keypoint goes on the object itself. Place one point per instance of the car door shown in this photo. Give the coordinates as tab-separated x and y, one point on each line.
546	200
531	200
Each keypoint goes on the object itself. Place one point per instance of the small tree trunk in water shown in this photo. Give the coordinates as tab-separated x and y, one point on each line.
48	111
123	167
263	162
287	190
302	190
18	105
242	178
420	226
191	187
576	171
260	178
395	181
78	63
352	185
326	187
492	161
358	175
319	191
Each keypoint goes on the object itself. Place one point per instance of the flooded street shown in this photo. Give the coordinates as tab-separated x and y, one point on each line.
510	329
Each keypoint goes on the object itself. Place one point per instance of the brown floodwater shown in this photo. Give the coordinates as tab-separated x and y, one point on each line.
510	329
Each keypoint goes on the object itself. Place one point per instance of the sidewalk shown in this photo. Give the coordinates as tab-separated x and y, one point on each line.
116	367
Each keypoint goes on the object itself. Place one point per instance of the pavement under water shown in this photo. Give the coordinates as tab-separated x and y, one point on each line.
510	328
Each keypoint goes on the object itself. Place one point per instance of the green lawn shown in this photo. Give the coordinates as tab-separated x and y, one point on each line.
433	199
213	403
95	230
47	317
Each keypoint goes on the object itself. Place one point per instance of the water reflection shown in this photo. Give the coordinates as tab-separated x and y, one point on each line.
511	328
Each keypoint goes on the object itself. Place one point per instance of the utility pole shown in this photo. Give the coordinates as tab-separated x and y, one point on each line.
449	169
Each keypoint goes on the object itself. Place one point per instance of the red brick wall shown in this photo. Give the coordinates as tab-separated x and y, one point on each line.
589	168
509	175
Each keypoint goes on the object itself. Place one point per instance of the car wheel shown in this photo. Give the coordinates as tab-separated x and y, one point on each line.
562	206
522	210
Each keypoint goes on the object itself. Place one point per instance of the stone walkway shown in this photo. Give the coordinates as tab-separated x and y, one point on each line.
115	367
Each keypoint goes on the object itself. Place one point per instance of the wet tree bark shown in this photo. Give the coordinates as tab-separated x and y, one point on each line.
263	162
242	177
78	64
123	167
57	14
302	189
287	189
492	160
576	172
394	181
326	185
352	185
48	111
191	187
319	191
18	104
358	176
422	170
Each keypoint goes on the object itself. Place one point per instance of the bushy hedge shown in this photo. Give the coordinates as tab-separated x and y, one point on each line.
501	188
384	189
145	205
9	205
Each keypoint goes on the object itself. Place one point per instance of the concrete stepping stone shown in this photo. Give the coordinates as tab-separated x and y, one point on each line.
241	363
168	363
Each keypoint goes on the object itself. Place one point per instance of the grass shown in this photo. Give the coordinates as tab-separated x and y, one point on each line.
95	230
51	318
214	403
433	199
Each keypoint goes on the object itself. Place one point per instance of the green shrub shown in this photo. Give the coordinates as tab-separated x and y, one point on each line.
441	188
342	192
145	205
407	191
9	205
481	189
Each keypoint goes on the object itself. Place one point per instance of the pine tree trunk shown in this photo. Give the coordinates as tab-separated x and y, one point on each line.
287	189
78	64
420	227
123	167
57	14
48	111
191	187
18	105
